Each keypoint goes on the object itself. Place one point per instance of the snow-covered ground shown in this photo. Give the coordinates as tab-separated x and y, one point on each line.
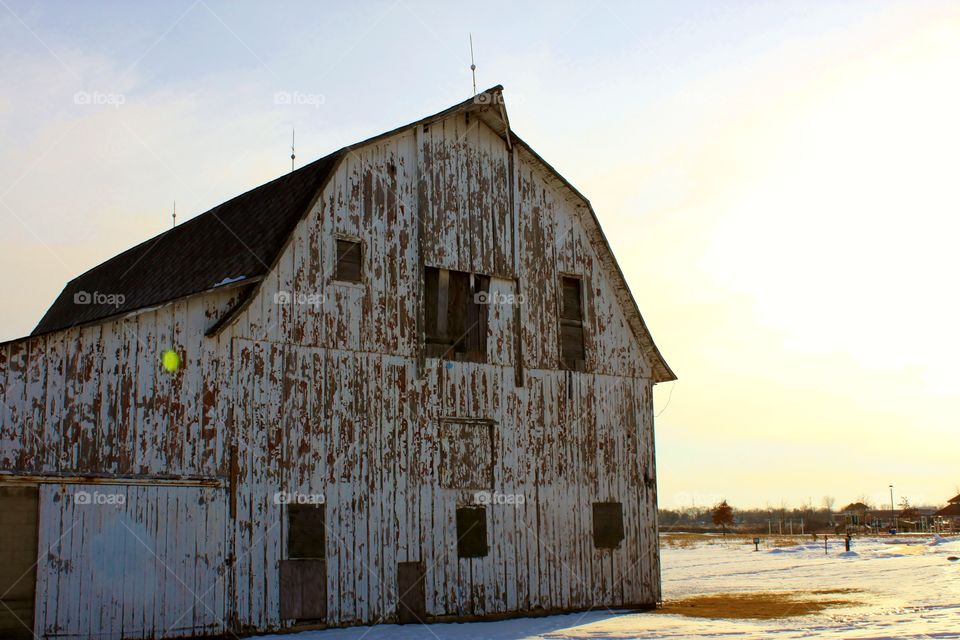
906	586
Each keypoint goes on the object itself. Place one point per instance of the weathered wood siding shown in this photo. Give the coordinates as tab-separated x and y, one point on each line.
364	432
320	387
96	400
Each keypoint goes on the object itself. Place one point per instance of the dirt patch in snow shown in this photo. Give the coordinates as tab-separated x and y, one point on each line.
758	605
679	540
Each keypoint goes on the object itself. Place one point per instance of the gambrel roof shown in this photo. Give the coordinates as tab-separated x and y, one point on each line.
238	242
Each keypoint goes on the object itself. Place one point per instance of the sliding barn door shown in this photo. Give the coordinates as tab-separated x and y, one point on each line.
18	559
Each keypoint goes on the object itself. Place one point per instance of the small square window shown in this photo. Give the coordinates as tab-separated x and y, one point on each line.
349	261
607	525
306	531
472	532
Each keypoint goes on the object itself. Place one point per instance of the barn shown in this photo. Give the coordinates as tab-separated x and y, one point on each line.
405	382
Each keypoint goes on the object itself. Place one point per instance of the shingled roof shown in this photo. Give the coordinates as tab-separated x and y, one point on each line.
952	509
234	241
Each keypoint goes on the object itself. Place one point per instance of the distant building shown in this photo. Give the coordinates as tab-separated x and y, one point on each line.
915	519
855	516
949	517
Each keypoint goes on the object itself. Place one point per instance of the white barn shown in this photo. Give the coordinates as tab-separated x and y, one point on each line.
404	382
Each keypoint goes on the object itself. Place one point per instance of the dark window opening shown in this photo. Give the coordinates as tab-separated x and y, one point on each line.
349	261
306	531
607	525
572	352
471	532
456	314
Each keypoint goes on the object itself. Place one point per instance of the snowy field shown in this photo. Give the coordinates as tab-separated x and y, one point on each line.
905	587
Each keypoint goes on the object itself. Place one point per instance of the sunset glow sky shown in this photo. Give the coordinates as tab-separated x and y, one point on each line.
779	181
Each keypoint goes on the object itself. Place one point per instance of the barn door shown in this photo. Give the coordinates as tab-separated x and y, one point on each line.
411	596
303	576
18	562
130	561
303	590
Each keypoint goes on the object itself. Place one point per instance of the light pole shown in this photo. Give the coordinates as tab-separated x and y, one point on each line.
893	516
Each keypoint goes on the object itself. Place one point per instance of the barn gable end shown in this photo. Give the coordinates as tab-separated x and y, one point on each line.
409	197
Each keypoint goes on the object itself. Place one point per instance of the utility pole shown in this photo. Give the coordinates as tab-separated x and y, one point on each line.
893	516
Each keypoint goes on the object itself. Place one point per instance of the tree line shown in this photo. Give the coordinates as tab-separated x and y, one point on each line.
805	518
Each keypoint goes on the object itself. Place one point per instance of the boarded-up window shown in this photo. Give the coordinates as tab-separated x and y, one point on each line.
607	525
456	314
306	533
471	532
349	261
572	353
303	589
466	454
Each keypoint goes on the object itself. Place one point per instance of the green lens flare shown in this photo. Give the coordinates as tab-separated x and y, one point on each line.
171	360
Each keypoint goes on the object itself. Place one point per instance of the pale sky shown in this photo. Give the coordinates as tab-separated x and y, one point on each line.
780	182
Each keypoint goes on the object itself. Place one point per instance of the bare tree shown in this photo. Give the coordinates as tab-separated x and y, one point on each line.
828	502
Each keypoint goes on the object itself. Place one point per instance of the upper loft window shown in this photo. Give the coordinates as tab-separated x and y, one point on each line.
456	314
349	261
572	352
